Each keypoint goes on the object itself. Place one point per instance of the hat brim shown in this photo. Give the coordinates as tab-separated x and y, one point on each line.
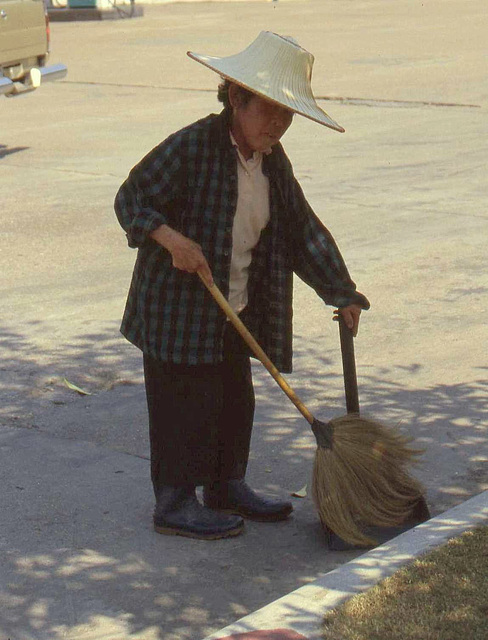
304	106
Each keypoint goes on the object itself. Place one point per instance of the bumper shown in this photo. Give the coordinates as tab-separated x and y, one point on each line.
32	80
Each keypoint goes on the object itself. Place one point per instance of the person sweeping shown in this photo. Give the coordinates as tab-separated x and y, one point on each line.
219	199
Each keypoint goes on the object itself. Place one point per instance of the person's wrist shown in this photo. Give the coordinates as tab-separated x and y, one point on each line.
164	235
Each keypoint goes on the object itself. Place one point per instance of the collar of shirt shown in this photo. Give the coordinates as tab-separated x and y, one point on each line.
252	163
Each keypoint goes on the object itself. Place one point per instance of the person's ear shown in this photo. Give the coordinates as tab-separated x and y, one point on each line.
235	98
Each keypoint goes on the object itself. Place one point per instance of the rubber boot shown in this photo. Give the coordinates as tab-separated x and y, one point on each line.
235	496
179	513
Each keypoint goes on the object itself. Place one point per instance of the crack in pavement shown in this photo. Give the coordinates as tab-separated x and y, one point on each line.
385	102
36	167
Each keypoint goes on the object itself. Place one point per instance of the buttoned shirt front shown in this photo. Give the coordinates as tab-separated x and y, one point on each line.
251	217
189	182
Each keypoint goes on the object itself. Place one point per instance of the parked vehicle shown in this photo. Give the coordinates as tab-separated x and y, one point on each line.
24	47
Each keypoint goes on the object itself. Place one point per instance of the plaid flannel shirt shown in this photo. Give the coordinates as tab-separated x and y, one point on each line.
189	182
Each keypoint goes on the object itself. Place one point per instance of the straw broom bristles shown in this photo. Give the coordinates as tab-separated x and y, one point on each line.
362	479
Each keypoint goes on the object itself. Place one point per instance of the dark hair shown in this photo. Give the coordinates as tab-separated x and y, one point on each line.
223	93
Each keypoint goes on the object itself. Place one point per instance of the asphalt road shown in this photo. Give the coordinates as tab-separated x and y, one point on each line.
404	194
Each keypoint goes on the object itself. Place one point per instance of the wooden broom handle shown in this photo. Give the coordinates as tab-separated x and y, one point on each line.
255	348
349	367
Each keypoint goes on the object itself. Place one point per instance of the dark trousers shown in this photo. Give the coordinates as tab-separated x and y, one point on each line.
200	417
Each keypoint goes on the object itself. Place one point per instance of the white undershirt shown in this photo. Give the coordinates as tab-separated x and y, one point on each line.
252	215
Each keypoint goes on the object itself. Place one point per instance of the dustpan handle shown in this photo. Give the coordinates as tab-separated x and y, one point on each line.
255	347
349	367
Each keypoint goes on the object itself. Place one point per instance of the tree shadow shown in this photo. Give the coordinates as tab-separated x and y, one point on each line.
449	420
84	504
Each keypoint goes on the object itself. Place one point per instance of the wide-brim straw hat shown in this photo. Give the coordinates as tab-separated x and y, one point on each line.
276	68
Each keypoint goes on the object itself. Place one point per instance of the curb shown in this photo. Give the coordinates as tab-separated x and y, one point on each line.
299	615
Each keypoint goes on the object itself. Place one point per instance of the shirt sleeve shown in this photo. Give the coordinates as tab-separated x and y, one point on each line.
316	257
147	198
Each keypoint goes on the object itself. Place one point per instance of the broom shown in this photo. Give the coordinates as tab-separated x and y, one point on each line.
360	475
379	492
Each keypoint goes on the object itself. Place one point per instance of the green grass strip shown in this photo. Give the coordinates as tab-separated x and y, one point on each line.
443	595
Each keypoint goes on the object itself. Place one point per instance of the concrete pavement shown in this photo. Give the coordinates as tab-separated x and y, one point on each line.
403	192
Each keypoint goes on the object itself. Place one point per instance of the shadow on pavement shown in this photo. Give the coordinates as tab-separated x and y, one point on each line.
80	558
7	151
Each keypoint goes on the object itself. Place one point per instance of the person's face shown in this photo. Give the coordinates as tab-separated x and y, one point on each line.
259	124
